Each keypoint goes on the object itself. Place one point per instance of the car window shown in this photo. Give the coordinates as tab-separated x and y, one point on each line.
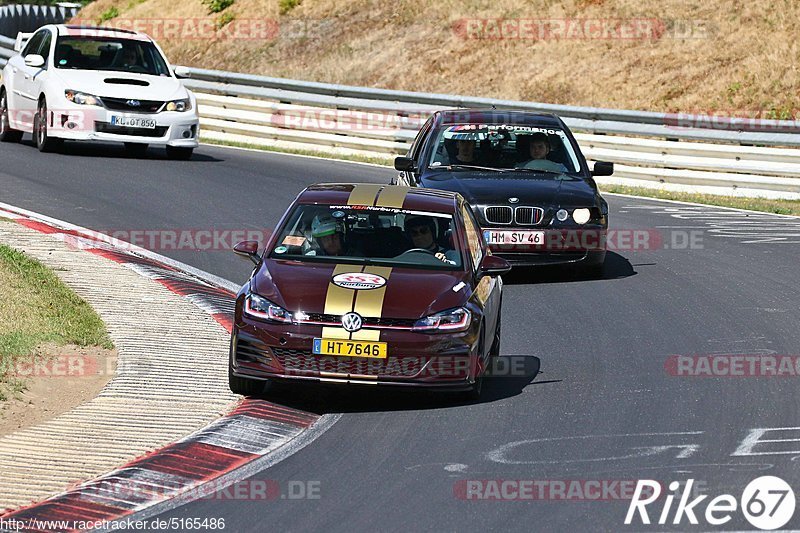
111	54
34	43
419	139
369	235
504	146
44	49
473	236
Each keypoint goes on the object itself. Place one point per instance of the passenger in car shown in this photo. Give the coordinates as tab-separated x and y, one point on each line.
538	149
421	231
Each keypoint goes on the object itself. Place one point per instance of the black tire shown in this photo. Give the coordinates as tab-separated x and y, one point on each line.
474	394
7	134
179	153
43	141
244	386
136	149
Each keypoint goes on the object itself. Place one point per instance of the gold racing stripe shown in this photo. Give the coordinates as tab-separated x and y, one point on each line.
364	194
370	304
392	197
338	301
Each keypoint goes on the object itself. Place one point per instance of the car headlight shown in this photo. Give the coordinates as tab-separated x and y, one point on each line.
581	215
452	320
562	215
179	105
77	97
261	308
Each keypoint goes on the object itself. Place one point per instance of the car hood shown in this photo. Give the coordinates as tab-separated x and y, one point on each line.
481	188
95	82
410	293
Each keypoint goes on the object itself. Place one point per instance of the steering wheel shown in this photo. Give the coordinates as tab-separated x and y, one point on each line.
411	250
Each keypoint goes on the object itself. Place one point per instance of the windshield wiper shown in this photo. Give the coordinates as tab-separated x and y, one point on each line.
470	167
540	170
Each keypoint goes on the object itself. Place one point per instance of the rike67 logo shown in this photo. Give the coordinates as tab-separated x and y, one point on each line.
768	502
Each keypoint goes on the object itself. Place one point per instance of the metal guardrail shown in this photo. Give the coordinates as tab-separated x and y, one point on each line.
649	148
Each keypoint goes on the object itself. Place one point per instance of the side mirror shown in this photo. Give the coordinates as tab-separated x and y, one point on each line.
603	168
491	265
34	60
182	72
248	249
403	164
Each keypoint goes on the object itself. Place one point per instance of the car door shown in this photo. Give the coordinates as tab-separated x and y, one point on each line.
40	75
487	288
24	96
409	178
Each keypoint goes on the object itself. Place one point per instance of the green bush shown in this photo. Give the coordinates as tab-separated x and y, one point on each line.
215	6
108	14
288	5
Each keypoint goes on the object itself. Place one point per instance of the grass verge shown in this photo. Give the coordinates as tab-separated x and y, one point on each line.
779	207
36	307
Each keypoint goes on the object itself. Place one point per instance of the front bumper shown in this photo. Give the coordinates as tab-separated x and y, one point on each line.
94	124
284	352
584	245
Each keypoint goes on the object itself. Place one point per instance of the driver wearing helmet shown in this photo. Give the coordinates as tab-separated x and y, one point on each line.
421	231
329	237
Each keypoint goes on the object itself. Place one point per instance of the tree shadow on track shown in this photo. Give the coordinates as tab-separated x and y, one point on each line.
118	151
616	267
510	376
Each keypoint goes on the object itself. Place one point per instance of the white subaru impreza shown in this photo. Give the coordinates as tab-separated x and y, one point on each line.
96	84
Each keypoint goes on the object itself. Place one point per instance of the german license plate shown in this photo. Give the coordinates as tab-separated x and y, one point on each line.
347	348
513	237
133	122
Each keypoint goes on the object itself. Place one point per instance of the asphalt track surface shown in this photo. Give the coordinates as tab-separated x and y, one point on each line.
594	401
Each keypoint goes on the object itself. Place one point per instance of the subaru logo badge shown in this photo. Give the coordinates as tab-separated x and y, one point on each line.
133	103
513	200
351	322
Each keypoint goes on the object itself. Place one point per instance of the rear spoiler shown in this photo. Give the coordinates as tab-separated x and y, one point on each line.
22	40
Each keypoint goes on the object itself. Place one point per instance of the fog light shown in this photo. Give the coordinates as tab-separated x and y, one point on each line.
71	125
187	134
562	215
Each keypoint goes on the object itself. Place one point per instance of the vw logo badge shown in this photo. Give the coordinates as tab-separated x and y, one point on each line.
513	200
133	103
351	322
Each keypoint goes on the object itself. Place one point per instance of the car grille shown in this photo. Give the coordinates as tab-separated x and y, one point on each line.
501	214
368	322
121	104
104	127
302	362
528	215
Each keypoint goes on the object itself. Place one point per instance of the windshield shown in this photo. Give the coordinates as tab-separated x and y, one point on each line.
112	54
369	235
501	147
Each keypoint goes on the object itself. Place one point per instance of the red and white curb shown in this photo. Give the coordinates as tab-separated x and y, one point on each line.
253	436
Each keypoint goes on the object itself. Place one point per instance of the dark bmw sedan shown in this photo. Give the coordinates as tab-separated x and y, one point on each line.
370	285
526	179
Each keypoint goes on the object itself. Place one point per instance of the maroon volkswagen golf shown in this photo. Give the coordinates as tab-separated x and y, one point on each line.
369	284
